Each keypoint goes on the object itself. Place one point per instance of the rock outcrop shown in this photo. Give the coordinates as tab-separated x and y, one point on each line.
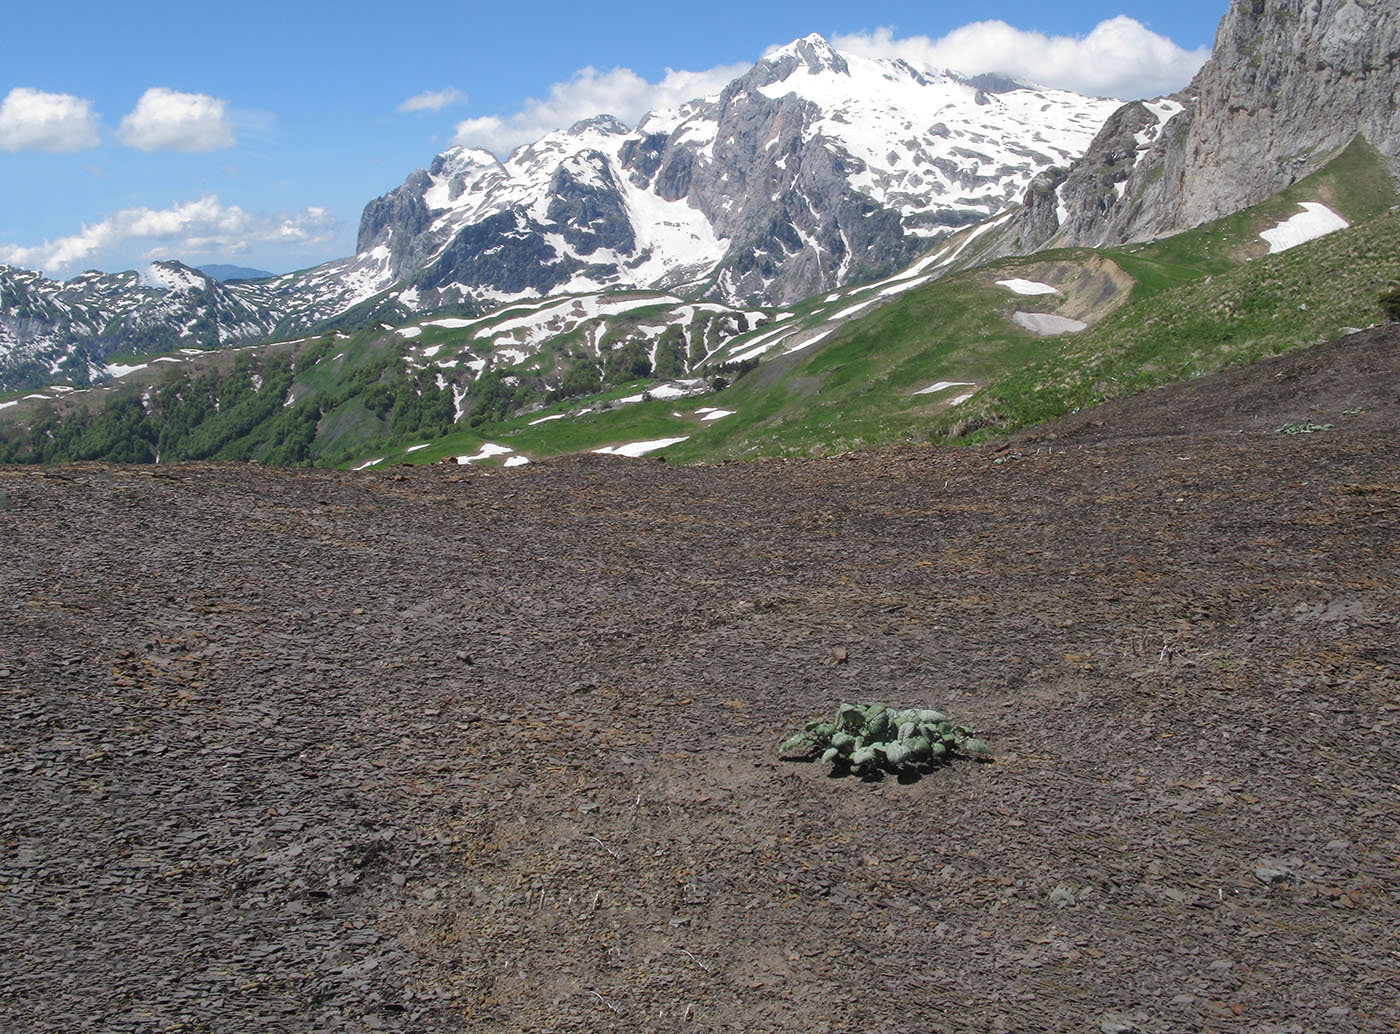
1288	84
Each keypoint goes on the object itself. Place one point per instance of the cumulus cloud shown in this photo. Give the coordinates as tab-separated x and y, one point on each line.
620	92
433	100
167	120
32	120
1121	57
203	227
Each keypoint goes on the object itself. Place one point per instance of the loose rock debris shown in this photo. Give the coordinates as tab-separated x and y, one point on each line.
442	750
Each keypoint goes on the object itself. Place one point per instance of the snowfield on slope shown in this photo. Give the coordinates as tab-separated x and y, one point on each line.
1045	324
637	449
1314	221
1028	287
955	140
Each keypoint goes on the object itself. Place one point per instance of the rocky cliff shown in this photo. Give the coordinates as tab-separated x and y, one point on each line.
1289	82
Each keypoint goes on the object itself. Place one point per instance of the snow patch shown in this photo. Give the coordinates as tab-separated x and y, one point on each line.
757	346
547	419
415	448
636	449
1044	324
669	390
1314	221
1027	286
707	414
1061	209
852	310
907	285
943	386
517	461
977	232
1164	109
808	343
117	370
488	449
409	333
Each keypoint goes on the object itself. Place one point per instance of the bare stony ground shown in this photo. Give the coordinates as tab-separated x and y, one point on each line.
466	750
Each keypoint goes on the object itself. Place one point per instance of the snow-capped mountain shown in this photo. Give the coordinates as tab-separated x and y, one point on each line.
813	169
52	329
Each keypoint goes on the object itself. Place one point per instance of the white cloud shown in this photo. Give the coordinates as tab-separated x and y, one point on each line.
167	120
1121	57
203	227
620	92
433	100
31	120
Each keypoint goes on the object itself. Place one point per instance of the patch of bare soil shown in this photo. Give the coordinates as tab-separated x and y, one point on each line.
442	750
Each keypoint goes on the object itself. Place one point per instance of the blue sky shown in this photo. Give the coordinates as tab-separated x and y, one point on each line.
254	133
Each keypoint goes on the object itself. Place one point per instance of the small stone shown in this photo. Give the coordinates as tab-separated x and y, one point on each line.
1062	897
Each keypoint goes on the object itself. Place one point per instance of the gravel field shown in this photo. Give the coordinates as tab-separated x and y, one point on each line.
449	749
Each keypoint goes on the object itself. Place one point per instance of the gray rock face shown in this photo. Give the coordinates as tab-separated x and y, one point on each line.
1288	84
403	211
588	211
796	225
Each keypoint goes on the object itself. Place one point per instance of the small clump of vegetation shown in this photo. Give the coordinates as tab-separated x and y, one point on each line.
1306	427
1390	306
867	739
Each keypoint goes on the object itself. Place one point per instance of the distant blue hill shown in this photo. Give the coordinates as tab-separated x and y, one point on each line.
226	272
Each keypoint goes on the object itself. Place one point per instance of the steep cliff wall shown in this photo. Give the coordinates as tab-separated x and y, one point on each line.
1289	82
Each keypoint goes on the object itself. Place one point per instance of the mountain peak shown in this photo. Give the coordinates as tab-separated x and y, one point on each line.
599	124
811	53
459	157
172	275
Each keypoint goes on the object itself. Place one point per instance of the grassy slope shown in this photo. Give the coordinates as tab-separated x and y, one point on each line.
1201	301
1198	301
1167	310
1213	298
